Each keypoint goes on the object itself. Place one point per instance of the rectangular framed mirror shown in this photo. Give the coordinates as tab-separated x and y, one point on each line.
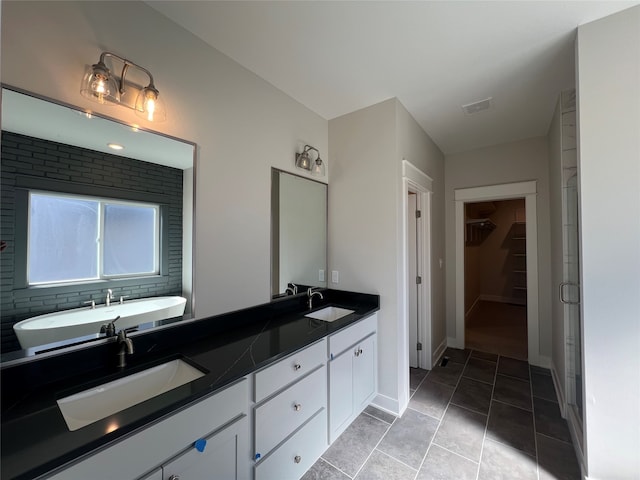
298	233
88	230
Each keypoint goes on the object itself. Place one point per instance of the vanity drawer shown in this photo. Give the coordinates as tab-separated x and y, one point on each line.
294	457
289	369
340	341
284	413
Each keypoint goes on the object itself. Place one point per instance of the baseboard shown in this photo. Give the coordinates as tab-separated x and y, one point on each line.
543	362
473	307
387	404
501	299
559	391
439	351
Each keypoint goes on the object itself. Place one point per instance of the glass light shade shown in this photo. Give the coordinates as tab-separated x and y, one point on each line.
303	161
318	168
150	106
99	86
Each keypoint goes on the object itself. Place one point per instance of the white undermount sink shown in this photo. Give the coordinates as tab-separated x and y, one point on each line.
329	314
99	402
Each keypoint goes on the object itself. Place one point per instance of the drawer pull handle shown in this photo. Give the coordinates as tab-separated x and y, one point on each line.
297	459
174	477
297	367
297	407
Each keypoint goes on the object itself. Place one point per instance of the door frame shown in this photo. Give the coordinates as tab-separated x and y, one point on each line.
507	191
418	182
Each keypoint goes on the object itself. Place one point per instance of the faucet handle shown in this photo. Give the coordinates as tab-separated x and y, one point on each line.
122	297
109	328
91	302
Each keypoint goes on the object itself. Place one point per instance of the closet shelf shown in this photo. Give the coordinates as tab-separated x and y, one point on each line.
481	223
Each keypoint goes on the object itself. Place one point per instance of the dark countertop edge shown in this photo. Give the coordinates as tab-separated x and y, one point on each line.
368	305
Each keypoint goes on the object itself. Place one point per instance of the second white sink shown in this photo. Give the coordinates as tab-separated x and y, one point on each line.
99	402
329	314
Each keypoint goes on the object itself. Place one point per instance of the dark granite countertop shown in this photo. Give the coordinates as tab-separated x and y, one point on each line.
34	437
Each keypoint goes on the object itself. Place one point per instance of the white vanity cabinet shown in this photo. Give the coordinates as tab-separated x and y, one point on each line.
290	414
352	373
167	447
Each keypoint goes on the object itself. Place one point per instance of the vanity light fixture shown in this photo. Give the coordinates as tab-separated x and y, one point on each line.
305	162
115	146
101	86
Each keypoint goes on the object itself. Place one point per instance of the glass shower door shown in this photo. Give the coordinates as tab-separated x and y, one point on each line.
570	296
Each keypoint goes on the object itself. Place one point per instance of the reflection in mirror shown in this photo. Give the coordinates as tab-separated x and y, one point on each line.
299	233
90	233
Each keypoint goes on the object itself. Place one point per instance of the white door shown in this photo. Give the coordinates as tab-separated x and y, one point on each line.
412	249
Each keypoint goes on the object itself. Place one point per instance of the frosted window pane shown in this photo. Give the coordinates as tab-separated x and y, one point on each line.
62	239
129	240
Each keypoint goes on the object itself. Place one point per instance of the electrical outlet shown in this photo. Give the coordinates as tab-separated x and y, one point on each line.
321	275
335	276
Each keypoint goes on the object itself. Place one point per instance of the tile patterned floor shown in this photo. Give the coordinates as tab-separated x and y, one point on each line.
480	417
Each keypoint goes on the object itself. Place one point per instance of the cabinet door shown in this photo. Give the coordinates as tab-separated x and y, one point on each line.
364	373
340	392
224	457
156	475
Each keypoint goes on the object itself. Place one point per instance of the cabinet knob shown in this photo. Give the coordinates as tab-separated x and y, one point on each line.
297	407
296	459
297	367
174	477
356	353
359	351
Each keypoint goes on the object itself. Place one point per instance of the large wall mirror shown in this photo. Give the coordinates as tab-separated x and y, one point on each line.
88	232
299	233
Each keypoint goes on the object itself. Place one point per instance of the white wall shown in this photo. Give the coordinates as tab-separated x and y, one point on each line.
507	163
367	148
242	125
609	184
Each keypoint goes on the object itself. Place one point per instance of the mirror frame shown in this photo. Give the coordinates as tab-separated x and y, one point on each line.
84	342
275	233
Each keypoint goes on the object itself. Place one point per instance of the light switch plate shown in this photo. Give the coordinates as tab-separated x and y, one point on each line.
335	276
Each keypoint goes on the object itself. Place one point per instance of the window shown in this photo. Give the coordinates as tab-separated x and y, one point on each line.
75	238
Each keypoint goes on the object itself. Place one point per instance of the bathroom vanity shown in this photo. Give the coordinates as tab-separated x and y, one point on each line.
277	388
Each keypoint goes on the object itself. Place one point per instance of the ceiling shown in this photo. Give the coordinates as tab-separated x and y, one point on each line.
32	116
337	57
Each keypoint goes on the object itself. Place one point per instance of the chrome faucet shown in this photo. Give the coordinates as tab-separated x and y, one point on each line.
126	347
109	329
109	297
311	294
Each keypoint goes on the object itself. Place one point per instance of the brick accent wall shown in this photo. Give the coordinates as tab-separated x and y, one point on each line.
24	156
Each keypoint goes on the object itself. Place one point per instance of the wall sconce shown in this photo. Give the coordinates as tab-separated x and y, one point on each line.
101	86
305	162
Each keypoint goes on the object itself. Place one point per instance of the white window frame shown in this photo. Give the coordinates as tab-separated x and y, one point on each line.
102	203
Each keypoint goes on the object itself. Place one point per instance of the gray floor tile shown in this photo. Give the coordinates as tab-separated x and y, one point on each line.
321	470
457	355
408	438
492	357
382	467
513	391
431	398
473	395
513	368
416	375
380	414
441	464
557	460
448	375
540	370
462	431
479	369
512	426
500	462
549	421
351	449
543	386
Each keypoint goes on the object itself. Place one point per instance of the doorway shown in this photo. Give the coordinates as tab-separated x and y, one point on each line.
526	190
495	277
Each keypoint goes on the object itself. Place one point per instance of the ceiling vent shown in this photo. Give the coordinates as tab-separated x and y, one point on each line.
476	107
